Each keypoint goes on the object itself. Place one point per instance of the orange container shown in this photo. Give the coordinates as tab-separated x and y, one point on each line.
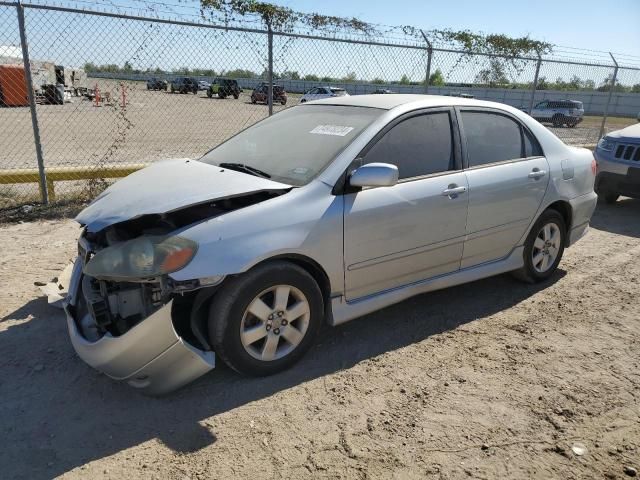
13	86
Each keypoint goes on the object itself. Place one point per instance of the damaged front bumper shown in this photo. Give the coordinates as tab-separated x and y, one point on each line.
151	356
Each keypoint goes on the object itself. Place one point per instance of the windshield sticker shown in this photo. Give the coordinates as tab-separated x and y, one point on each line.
338	130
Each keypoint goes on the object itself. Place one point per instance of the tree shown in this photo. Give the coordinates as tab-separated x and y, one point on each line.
312	78
494	75
404	80
436	79
636	88
574	83
543	84
350	77
377	81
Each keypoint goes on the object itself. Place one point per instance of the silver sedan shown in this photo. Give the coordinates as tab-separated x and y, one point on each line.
244	253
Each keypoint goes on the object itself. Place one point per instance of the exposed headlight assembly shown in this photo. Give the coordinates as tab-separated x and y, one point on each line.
606	144
143	257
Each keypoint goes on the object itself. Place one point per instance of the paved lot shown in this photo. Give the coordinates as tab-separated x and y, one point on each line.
153	125
495	379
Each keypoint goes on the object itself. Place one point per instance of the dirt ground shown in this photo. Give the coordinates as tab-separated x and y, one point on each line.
495	379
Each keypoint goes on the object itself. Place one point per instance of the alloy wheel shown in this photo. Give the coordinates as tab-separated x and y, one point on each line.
546	247
275	323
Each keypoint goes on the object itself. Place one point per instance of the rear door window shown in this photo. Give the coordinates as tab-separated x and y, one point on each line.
491	138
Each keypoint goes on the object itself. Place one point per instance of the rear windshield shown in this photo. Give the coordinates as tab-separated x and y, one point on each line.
295	145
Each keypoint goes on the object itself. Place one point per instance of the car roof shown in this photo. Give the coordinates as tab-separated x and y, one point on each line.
387	102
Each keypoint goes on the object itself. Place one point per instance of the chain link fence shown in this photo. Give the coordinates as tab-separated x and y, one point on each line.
88	96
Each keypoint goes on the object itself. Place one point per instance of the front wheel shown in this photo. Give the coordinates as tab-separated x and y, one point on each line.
543	248
263	321
557	120
209	94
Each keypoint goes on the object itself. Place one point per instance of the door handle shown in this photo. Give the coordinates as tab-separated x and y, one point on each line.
453	191
536	173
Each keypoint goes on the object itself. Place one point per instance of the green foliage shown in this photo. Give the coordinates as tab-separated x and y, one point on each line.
436	79
404	80
283	18
493	44
348	78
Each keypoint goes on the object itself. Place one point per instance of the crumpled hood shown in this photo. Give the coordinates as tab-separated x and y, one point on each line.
167	186
629	134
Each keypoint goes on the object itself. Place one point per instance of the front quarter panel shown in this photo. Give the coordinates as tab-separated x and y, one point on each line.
306	221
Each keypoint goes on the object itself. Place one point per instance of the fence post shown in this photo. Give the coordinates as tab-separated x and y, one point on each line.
611	88
32	104
270	68
535	84
429	55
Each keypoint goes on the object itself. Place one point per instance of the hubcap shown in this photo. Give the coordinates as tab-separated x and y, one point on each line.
275	322
546	247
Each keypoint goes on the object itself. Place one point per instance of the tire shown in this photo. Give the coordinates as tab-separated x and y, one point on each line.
209	94
535	270
236	96
557	120
253	100
609	197
283	102
229	314
222	95
302	101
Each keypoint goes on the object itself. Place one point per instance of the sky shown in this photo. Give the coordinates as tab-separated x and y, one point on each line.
612	25
73	39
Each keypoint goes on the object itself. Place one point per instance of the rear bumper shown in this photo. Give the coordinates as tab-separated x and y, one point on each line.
150	357
582	209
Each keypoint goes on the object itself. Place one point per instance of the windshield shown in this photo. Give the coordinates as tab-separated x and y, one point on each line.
295	145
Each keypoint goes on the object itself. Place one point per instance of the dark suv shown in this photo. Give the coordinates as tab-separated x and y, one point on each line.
261	94
184	85
224	87
157	84
559	112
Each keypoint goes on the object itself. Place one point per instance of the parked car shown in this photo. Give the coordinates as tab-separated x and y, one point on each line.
261	93
157	84
618	158
224	87
372	199
323	92
203	85
184	85
383	91
559	112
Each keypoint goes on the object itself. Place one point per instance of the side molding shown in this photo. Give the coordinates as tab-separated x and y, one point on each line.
344	311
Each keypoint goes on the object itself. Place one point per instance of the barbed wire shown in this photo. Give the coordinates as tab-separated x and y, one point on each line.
190	10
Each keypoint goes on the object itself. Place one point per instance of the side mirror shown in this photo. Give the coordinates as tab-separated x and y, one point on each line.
374	175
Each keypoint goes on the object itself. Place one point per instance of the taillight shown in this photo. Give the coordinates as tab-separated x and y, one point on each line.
594	167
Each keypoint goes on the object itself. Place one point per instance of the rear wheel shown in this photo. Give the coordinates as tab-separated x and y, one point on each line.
543	248
209	94
263	321
236	96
